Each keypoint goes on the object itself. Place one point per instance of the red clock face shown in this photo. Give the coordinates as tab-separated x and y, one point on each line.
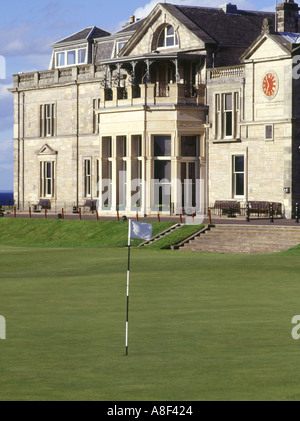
269	84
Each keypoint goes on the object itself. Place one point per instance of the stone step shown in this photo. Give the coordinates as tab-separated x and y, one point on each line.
236	250
241	247
244	244
254	229
243	239
248	238
239	250
252	232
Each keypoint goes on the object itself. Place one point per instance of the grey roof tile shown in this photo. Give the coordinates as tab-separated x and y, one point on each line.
84	34
236	29
132	26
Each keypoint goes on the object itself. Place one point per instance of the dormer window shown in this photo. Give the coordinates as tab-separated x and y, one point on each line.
168	37
60	59
71	57
81	56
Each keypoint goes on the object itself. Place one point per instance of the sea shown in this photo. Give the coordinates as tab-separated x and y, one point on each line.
6	198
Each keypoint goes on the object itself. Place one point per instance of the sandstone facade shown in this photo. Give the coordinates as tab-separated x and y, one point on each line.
187	93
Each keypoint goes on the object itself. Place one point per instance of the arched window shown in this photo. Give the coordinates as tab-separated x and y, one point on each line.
167	38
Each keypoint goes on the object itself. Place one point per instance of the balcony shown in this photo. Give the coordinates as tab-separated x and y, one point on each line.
157	93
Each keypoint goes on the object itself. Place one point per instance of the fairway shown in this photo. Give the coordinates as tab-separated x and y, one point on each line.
201	326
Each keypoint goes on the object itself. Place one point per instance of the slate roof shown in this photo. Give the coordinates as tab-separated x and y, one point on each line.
131	27
84	34
291	37
231	29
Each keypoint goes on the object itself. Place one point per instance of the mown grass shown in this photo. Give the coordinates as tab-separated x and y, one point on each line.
201	326
69	233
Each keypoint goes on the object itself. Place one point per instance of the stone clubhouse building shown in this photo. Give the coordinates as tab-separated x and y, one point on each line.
134	119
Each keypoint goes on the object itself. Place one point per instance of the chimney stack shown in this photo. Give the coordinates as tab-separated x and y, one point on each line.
131	21
287	16
229	8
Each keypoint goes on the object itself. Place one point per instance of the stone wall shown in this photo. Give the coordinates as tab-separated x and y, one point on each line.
67	147
271	165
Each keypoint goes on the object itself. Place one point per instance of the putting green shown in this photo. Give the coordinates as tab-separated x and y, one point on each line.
201	326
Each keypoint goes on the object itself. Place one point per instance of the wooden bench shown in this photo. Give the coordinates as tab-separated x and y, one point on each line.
277	208
258	207
229	207
92	204
43	204
263	207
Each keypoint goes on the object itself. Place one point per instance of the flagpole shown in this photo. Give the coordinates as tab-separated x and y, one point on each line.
135	230
128	272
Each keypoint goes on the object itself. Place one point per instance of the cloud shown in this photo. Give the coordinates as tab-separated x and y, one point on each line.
29	36
144	11
22	40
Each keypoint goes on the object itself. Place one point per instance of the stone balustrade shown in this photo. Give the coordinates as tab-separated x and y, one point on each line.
58	76
225	72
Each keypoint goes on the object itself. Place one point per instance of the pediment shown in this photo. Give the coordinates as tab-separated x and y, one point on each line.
265	47
145	39
46	150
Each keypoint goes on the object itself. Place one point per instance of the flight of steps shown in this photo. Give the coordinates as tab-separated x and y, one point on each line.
160	235
244	239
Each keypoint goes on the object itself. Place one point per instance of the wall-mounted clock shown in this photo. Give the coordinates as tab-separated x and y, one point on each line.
270	84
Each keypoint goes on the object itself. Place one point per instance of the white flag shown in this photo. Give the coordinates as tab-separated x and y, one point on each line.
139	230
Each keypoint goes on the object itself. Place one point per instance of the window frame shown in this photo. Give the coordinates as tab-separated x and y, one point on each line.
76	57
45	180
87	167
121	142
120	45
96	116
164	37
235	173
226	119
269	139
166	138
47	120
85	55
197	139
228	116
60	54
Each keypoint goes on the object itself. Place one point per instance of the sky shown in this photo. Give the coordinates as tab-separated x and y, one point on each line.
29	27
